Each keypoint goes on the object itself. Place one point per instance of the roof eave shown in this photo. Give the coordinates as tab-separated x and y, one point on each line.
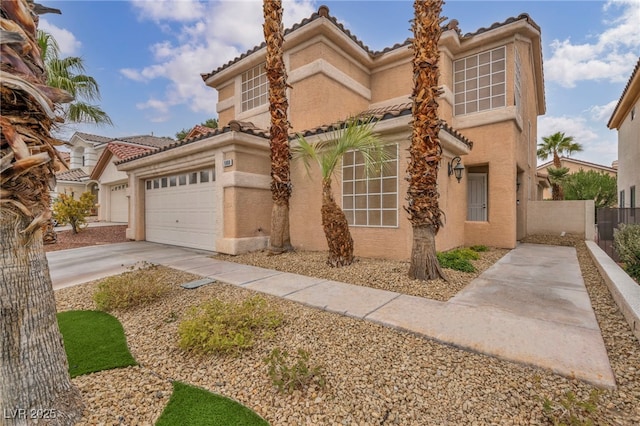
628	99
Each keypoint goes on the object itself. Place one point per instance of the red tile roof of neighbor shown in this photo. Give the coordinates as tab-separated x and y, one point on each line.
75	175
124	151
199	130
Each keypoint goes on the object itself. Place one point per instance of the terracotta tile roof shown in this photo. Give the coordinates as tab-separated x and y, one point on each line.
199	130
75	175
624	92
323	11
501	24
124	151
147	140
93	138
66	156
233	126
384	113
543	166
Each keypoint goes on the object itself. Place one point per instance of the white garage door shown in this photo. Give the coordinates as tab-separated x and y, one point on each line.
118	203
180	209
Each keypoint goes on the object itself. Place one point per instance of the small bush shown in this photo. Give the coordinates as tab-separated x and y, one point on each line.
479	248
569	410
458	259
298	375
626	240
68	210
217	326
133	288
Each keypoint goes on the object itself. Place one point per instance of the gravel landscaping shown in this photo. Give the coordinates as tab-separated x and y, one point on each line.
375	375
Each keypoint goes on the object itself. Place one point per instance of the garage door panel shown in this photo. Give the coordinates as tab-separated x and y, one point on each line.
181	215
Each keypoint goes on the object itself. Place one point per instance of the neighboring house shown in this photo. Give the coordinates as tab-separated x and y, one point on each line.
212	191
574	165
92	169
626	120
198	131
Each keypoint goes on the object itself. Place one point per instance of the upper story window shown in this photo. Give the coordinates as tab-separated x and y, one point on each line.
254	87
370	198
480	82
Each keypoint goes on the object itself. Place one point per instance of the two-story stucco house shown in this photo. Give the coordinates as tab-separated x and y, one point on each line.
212	191
626	120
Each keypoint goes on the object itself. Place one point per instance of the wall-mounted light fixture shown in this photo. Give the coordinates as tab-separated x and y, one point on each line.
457	169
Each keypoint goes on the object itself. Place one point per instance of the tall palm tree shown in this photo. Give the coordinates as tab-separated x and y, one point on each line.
280	239
425	151
69	75
354	135
33	363
556	145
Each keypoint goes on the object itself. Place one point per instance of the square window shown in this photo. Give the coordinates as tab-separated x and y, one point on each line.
156	183
182	180
163	182
193	178
375	217
172	181
148	184
360	217
204	176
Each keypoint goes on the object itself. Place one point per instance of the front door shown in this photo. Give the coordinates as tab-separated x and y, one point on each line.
477	197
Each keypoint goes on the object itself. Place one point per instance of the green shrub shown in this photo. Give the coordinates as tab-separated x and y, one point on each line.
298	375
68	210
133	288
626	240
479	248
570	411
458	259
217	326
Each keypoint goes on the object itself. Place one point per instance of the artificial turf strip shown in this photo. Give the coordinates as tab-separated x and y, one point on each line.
94	341
193	406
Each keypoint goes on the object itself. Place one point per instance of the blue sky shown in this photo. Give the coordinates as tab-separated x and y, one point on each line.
147	55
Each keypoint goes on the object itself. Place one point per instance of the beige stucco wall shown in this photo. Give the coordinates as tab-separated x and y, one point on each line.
571	217
247	212
629	154
306	202
391	82
311	106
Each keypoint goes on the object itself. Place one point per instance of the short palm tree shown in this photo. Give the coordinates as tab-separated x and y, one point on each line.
425	151
68	74
354	135
556	145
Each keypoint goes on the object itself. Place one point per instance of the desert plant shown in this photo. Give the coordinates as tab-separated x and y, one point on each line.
288	377
136	287
570	411
458	259
626	240
479	248
224	327
68	210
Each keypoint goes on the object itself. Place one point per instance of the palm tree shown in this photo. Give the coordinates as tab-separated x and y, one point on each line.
356	134
280	239
556	145
33	363
425	151
68	74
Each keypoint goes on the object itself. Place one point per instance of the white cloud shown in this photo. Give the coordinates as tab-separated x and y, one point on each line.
603	112
67	42
611	57
198	41
174	10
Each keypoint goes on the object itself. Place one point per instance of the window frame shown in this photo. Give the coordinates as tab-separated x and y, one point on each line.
350	202
254	88
475	77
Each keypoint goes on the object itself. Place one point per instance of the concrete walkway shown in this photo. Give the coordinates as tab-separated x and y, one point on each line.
531	307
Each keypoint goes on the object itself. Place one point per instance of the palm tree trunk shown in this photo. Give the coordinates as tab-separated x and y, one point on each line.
336	229
35	383
35	380
280	239
425	150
